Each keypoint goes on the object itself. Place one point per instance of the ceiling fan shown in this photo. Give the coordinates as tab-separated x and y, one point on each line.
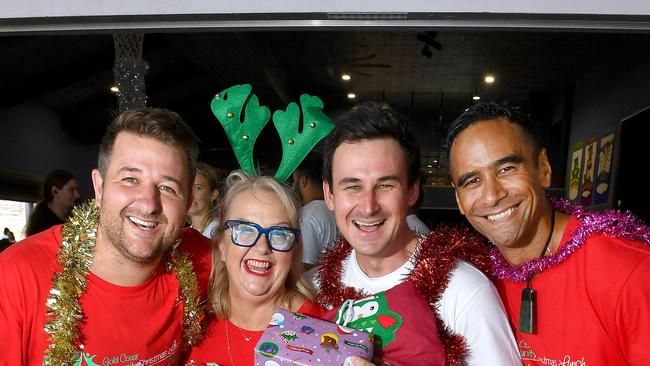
336	64
353	64
429	40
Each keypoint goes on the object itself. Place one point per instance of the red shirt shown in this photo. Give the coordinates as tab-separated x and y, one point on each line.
592	309
122	325
222	334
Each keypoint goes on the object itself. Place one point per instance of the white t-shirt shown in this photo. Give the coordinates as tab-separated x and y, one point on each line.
416	225
210	229
317	230
470	307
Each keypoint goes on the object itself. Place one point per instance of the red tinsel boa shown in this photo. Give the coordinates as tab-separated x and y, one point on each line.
435	259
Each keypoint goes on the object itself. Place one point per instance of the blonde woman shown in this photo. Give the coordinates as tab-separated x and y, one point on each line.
203	214
257	267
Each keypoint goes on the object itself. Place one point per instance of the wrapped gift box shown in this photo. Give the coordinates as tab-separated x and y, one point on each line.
296	339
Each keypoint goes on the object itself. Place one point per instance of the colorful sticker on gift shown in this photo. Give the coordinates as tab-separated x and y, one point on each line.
357	345
300	349
288	336
329	341
276	320
268	349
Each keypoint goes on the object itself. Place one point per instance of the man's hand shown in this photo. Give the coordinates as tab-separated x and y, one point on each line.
358	361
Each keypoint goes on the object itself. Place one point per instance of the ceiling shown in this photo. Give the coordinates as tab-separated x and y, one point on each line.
72	73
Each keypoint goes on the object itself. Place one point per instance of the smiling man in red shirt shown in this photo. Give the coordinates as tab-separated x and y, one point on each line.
574	283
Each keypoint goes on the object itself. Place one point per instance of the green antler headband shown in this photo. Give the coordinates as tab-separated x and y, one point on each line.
228	106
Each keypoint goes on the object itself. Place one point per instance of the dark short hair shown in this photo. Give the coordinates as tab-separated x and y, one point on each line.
157	123
484	111
55	178
312	168
373	120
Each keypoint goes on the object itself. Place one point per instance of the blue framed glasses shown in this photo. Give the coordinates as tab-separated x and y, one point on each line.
246	234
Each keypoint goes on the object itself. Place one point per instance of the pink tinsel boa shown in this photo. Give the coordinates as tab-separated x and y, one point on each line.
617	224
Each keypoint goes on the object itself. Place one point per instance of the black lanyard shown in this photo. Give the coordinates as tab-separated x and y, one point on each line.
527	307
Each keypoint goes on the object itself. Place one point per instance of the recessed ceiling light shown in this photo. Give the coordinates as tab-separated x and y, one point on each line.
346	77
429	166
476	97
435	161
351	95
114	89
489	78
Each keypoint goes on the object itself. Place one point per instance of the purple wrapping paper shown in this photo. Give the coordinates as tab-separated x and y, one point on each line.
296	339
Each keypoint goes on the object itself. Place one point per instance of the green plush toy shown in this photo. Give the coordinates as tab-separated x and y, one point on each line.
371	314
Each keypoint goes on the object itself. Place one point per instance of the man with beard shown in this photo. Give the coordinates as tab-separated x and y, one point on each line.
420	295
115	285
317	224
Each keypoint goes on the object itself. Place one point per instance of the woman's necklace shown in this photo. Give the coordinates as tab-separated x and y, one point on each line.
228	340
228	344
527	307
75	257
248	339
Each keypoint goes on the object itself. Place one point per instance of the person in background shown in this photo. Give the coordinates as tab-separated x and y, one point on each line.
122	281
574	283
6	239
317	223
438	308
60	192
9	235
412	220
257	267
203	213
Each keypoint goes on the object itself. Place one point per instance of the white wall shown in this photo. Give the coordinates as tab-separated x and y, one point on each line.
57	8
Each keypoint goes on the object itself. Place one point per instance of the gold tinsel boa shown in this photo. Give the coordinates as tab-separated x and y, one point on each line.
75	257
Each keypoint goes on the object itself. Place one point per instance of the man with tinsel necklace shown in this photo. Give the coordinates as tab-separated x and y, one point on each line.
419	295
574	283
119	283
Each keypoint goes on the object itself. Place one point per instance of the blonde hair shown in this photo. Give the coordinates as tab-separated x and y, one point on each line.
295	286
210	175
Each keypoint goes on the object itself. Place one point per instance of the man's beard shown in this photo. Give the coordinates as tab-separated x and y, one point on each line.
111	225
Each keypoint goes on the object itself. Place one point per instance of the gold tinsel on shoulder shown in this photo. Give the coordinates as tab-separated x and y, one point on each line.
75	257
181	265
